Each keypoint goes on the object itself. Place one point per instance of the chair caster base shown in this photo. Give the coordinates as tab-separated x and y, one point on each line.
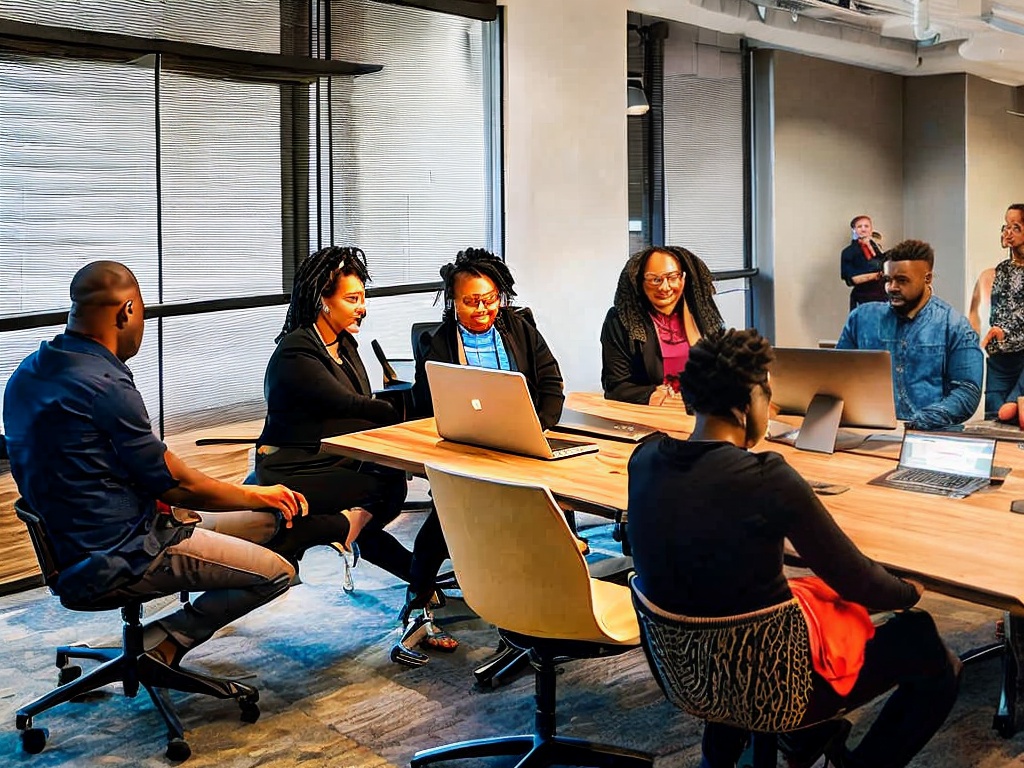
33	740
178	750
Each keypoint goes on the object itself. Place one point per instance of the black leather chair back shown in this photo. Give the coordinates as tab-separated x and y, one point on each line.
421	334
40	541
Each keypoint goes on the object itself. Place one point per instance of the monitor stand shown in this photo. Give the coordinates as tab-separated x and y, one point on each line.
821	425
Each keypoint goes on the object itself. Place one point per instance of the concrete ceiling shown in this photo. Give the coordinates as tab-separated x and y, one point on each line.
907	37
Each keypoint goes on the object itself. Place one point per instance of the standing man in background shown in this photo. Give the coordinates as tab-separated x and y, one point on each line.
861	264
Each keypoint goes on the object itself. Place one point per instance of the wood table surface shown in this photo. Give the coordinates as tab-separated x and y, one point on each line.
969	548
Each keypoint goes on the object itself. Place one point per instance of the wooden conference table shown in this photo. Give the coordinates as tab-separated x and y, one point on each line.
971	549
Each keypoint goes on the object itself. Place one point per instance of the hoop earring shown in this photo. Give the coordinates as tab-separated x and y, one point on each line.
325	309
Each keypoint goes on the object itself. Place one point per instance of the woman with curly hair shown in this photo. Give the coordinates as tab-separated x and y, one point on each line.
480	327
708	520
663	306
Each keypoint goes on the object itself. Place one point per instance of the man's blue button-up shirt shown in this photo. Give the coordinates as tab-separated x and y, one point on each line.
937	362
85	458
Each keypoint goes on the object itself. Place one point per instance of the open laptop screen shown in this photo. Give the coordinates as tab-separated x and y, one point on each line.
955	456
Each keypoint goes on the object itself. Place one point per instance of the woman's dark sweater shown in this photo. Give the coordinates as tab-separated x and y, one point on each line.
707	523
310	396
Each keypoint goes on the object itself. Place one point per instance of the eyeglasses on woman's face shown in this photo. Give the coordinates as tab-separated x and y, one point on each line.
655	281
475	300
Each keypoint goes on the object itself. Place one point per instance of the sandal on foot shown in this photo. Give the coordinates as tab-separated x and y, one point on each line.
438	639
351	560
428	634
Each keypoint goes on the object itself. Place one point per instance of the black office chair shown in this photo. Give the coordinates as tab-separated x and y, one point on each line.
1009	649
127	664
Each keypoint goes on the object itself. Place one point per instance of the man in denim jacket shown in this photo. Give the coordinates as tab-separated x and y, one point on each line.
936	358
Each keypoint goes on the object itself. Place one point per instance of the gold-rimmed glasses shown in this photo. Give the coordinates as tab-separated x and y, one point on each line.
655	281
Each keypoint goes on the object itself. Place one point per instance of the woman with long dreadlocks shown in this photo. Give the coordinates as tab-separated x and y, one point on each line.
663	306
315	387
478	328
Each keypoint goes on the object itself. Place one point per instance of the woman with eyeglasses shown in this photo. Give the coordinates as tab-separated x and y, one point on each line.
1004	341
480	328
663	305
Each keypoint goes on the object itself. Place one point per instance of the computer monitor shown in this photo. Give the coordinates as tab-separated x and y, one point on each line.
833	388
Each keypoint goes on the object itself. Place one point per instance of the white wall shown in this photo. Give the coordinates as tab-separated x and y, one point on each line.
838	152
934	181
995	157
565	170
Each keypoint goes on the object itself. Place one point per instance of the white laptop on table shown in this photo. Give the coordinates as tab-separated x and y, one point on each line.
492	409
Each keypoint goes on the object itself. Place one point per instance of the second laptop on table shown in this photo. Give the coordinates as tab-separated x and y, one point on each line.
948	466
493	409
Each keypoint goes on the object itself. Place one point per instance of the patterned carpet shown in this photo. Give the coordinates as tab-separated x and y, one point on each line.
330	697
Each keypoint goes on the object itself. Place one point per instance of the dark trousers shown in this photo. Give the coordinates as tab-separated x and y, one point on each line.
1002	377
906	653
429	551
334	483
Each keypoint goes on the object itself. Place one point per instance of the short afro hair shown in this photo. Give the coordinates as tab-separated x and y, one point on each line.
722	370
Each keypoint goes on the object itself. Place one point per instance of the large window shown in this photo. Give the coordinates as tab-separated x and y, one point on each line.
212	188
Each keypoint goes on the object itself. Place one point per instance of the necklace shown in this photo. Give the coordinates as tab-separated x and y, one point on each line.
669	328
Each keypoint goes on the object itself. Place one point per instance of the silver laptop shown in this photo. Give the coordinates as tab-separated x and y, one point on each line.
492	409
598	426
949	466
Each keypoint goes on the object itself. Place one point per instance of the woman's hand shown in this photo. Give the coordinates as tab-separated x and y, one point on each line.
664	395
994	333
917	585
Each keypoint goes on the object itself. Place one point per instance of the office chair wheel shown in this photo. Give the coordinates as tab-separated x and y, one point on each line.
33	740
250	710
1004	726
178	750
66	674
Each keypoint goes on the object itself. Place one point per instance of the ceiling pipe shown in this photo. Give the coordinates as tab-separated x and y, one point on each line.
924	33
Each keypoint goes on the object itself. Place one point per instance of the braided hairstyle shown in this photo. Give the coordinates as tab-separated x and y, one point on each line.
722	370
476	262
317	276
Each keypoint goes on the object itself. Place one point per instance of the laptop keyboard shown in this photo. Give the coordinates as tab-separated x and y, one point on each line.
938	480
561	448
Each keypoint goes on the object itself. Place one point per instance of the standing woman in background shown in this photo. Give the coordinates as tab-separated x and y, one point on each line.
663	305
861	264
1004	341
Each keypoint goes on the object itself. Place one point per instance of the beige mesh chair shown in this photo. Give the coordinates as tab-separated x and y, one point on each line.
519	568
